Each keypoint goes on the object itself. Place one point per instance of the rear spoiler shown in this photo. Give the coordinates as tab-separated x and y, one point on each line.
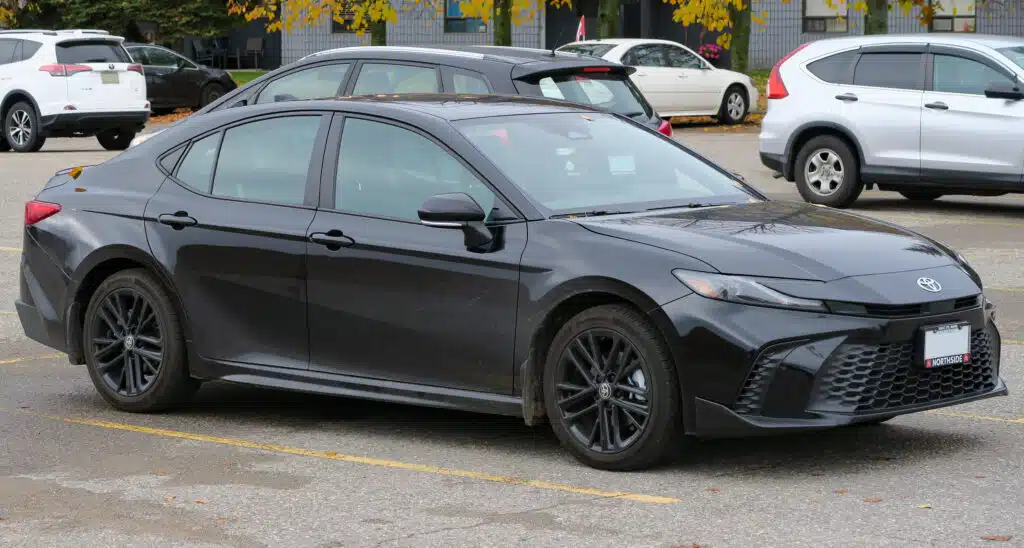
564	66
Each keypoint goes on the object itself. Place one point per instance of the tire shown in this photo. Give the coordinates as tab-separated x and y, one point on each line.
921	195
651	440
843	185
115	139
162	111
735	106
21	128
171	384
210	93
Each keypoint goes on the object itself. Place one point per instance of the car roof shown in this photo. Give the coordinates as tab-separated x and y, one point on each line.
622	41
452	107
56	36
952	39
497	54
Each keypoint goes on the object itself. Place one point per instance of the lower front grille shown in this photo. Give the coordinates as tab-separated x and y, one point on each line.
758	381
863	378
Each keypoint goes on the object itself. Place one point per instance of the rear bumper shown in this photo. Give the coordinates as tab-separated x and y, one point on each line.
79	124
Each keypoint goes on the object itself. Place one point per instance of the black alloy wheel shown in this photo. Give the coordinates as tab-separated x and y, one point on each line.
134	348
611	392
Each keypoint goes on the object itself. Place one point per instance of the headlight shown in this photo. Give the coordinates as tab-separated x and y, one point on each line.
742	290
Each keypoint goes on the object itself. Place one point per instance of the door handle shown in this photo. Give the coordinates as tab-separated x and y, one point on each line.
846	97
680	76
178	221
332	239
937	105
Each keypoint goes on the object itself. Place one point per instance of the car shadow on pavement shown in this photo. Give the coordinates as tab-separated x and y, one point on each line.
949	204
848	449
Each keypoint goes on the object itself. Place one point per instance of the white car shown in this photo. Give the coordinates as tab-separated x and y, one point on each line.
924	115
68	83
674	79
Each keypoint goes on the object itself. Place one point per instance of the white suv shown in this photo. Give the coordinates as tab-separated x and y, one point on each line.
924	115
68	83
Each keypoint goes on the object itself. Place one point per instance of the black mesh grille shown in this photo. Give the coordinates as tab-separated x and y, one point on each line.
759	379
861	378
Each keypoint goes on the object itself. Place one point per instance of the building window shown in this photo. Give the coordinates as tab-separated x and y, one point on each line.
953	16
455	22
826	15
344	26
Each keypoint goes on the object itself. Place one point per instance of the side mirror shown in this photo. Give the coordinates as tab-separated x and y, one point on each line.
1001	90
457	210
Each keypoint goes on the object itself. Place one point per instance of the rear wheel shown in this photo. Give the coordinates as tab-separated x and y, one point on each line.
611	392
920	195
134	348
21	128
827	172
115	139
211	93
734	106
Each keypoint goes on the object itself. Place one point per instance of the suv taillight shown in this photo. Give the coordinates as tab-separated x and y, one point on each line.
36	211
64	70
776	87
135	68
665	128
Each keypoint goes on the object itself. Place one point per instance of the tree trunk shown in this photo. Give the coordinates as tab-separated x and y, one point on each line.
739	49
876	19
502	22
608	19
379	33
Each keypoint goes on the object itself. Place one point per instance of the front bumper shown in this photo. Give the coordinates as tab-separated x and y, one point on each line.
754	371
79	124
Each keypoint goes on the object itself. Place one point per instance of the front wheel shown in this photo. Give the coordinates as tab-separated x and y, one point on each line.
134	347
611	391
734	106
827	172
115	139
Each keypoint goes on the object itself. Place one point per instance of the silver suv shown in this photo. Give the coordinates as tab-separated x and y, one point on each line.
923	115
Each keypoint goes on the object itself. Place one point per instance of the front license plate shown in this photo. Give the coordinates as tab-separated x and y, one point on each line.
109	78
947	345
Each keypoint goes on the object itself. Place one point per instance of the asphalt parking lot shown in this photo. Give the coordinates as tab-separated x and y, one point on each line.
249	467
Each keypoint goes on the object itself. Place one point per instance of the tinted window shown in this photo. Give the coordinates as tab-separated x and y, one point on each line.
890	70
380	78
267	161
196	170
314	83
612	92
91	51
680	58
139	55
388	171
160	58
646	56
7	51
835	69
593	50
29	48
464	81
958	75
576	161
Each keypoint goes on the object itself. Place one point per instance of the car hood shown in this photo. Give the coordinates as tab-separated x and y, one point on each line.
779	240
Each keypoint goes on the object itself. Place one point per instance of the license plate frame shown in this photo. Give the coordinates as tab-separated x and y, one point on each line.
109	77
944	345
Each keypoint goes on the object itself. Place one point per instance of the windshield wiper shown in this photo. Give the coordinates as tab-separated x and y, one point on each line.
691	205
592	213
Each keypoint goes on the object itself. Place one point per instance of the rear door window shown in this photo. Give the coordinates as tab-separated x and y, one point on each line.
890	70
91	51
835	69
28	49
609	91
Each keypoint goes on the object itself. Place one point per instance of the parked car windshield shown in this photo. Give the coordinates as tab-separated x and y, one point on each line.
593	50
607	91
1015	54
585	162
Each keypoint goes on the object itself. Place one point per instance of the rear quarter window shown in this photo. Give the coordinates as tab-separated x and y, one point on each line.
835	69
91	51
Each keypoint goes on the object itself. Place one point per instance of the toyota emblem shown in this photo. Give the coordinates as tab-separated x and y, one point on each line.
929	284
110	66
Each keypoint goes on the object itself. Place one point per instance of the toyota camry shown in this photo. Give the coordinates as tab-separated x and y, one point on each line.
496	254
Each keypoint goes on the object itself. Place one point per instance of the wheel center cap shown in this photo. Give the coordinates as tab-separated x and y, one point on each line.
604	390
129	342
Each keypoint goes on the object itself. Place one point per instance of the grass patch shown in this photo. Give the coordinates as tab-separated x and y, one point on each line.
242	77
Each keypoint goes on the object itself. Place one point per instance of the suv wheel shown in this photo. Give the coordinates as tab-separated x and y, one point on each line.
827	172
921	195
734	106
21	128
115	139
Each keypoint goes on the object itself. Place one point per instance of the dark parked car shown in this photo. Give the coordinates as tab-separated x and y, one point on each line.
374	70
174	81
498	254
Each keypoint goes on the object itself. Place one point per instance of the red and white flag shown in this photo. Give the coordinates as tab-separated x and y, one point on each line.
581	31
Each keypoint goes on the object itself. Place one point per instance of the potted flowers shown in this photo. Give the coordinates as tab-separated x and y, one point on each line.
712	52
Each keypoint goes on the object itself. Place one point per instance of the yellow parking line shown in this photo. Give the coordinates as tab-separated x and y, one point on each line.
1012	341
1017	420
29	358
331	455
10	249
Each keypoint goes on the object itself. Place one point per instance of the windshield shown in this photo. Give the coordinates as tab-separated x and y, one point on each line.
597	163
593	50
605	90
1015	54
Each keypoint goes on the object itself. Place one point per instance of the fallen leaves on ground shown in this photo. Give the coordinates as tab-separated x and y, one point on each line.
711	125
841	491
979	477
181	114
200	501
714	489
223	521
169	499
998	538
872	499
926	506
160	473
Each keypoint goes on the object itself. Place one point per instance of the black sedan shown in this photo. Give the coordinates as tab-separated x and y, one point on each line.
505	255
174	81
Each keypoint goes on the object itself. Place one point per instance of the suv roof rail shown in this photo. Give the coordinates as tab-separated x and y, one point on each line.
83	31
29	31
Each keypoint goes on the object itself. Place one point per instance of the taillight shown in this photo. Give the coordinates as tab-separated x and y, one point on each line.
36	211
776	88
64	70
665	128
135	68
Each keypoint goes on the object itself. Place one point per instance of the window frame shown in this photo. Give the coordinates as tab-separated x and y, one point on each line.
964	53
805	20
350	83
313	170
448	18
918	49
332	155
952	20
181	58
448	78
254	98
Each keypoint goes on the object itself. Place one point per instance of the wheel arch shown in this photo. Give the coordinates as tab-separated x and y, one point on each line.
564	303
90	273
811	130
14	96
